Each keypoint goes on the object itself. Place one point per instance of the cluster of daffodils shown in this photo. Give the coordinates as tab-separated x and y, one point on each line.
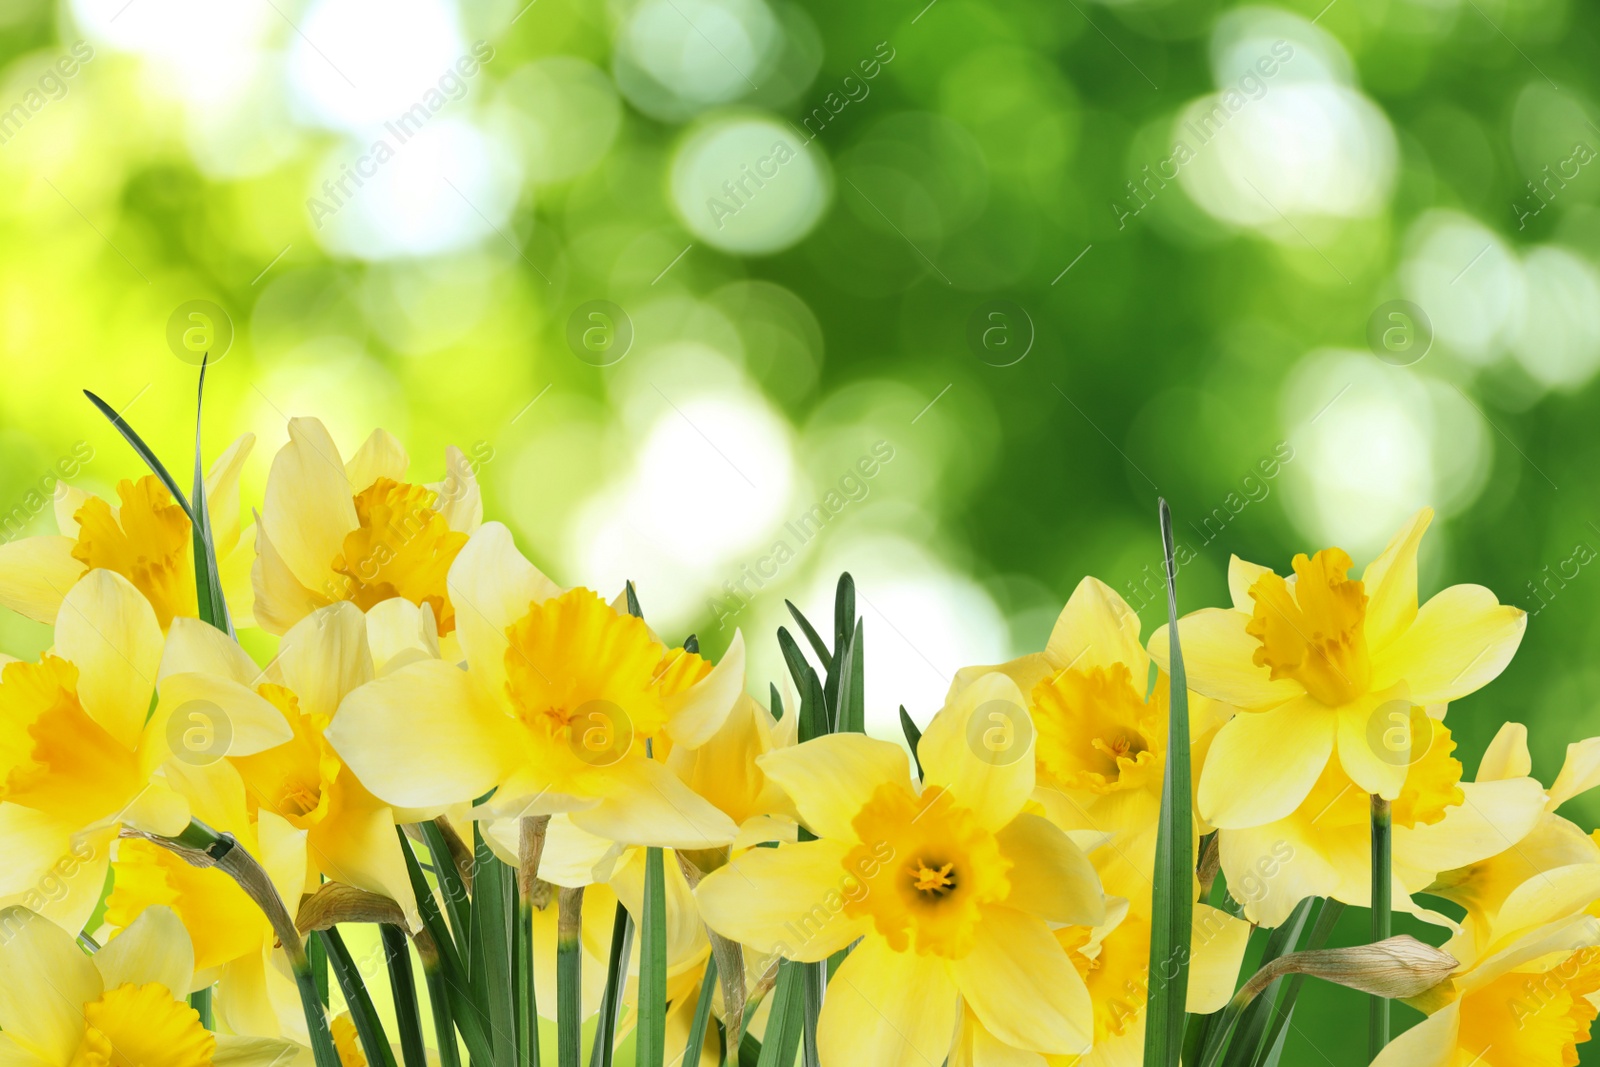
559	815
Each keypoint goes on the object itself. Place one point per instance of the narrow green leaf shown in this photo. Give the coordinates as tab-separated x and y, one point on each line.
777	703
200	1001
469	1019
838	686
1172	903
452	886
785	1017
651	1037
323	1052
527	996
144	451
1382	886
913	737
844	611
633	602
818	645
569	977
854	713
490	966
374	1042
605	1032
317	957
211	604
444	1027
1252	1018
750	1051
702	1015
799	669
403	988
1272	1047
815	984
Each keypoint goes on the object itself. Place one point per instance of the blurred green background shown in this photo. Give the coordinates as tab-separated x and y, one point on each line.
1030	265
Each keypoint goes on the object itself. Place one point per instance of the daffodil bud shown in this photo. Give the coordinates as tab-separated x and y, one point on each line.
336	902
1398	968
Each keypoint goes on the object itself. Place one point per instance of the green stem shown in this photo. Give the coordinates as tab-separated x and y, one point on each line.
651	1043
605	1031
374	1042
403	988
531	832
1382	856
490	967
444	1028
702	1015
569	977
200	1001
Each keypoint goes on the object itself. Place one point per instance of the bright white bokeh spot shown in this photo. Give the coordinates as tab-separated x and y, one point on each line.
693	54
1467	281
1268	39
748	185
359	63
447	187
1558	340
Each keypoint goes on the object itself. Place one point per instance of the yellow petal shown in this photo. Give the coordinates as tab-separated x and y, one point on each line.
980	747
977	1047
646	804
68	890
699	711
1430	1043
400	632
155	948
34	841
888	1010
45	980
283	856
1027	671
108	630
1493	817
459	499
1218	945
158	809
1580	772
788	901
1566	935
324	656
280	599
686	934
195	647
215	793
222	492
234	1051
66	503
1551	896
1022	987
381	455
309	506
234	569
1507	755
829	778
356	845
492	585
1239	788
1390	582
424	736
1272	868
203	717
1097	628
1371	771
1217	653
1460	641
35	574
1243	574
1050	876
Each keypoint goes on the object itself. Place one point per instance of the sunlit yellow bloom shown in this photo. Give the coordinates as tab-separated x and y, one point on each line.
949	884
1315	660
121	1007
358	531
144	537
80	754
349	833
1101	746
561	695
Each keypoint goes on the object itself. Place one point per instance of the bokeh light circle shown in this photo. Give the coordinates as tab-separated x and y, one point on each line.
748	184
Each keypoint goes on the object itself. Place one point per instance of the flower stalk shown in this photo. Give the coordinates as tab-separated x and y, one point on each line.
1382	886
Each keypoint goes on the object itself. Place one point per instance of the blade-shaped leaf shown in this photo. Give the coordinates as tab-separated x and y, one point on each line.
144	451
603	1051
374	1042
211	604
1272	1047
844	611
490	965
569	977
468	1017
1245	1023
403	988
818	645
785	1018
913	737
702	1015
651	1040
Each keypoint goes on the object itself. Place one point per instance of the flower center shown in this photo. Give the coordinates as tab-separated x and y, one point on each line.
146	541
1314	633
1116	971
53	756
1522	1017
928	868
402	548
142	1026
295	779
222	921
1096	731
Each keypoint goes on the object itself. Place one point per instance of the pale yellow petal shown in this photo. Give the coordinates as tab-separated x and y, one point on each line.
1390	582
1507	755
204	717
381	455
1549	897
1027	671
572	857
888	1010
1565	935
232	1051
222	492
325	656
158	809
1580	772
283	855
1023	988
1243	574
1493	817
829	778
977	1047
309	507
235	569
215	793
686	933
279	598
195	647
1374	771
33	842
1272	868
789	901
699	711
108	630
646	804
1430	1043
424	736
154	948
1460	641
1240	788
66	502
400	632
35	574
70	888
1217	653
979	747
14	1055
356	845
459	500
45	980
1097	628
492	585
1217	944
1050	876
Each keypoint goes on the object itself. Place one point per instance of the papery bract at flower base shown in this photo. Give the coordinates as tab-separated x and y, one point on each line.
547	671
331	530
950	886
145	537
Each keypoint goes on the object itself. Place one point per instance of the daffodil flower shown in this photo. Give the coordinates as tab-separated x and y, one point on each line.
1316	660
949	884
561	694
123	1005
145	537
358	531
80	753
349	833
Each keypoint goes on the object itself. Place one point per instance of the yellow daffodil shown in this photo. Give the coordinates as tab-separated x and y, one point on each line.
122	1006
561	695
349	833
358	531
145	537
1315	661
1101	745
80	753
949	885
